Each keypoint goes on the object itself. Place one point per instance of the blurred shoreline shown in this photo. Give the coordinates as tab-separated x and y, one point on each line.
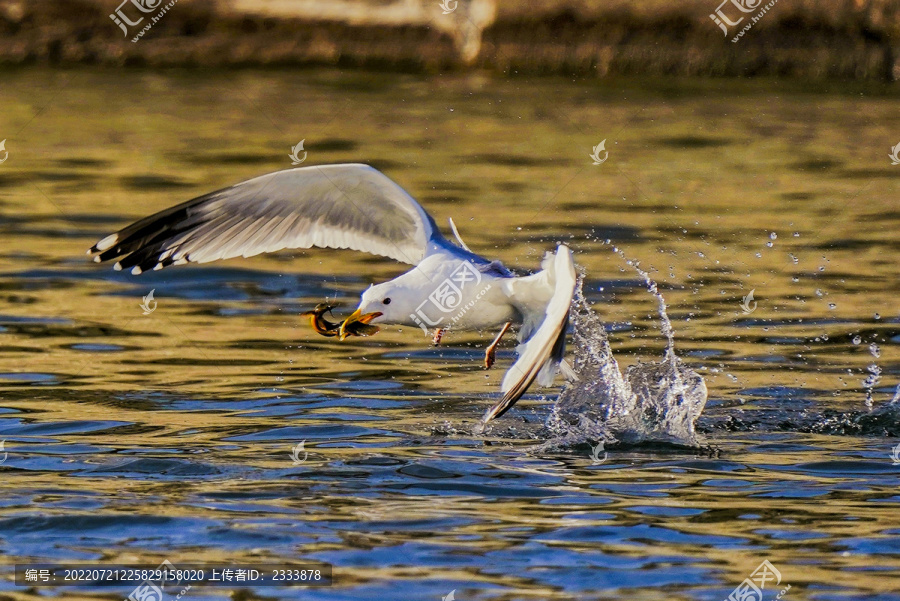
830	39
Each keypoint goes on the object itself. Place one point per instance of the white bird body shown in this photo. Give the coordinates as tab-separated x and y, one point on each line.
441	272
357	207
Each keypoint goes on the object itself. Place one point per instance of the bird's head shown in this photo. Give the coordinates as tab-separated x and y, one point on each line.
380	303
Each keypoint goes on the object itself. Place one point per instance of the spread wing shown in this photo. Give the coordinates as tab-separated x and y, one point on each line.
331	206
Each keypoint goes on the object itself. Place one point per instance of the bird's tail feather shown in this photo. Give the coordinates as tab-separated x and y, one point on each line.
540	355
558	267
550	367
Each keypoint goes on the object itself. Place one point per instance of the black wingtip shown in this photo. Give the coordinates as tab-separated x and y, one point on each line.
506	403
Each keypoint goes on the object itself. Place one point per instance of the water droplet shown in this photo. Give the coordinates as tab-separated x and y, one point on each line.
796	234
832	306
876	352
759	255
770	244
857	339
819	293
877	316
795	279
773	236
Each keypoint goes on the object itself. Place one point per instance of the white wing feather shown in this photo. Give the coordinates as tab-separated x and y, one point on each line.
331	206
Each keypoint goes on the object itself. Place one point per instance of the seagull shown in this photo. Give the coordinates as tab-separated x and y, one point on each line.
354	206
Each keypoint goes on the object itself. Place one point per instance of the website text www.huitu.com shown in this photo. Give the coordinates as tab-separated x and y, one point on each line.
153	20
753	21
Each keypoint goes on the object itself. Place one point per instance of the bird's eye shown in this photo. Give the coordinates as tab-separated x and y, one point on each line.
387	301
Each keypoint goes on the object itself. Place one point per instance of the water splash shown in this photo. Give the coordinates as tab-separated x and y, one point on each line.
883	420
873	378
657	401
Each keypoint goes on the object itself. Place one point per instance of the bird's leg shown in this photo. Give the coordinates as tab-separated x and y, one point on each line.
491	352
438	334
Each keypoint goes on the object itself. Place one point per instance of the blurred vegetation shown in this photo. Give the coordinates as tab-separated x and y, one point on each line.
824	39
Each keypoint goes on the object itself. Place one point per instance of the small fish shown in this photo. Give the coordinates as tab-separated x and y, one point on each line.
318	321
331	329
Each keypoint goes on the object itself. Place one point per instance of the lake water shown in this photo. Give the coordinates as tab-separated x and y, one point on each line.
133	438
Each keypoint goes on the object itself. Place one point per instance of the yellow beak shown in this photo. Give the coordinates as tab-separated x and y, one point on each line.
357	324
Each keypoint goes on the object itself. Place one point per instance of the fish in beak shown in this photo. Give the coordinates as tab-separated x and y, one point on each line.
358	324
318	321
